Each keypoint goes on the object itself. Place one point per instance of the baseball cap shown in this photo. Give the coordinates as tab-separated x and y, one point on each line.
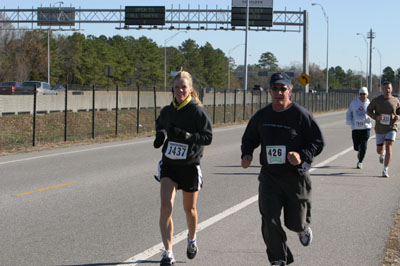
279	78
363	90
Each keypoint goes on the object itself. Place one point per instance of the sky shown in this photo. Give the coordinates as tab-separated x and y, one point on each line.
346	19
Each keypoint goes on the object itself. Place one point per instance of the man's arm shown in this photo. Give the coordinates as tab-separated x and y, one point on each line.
250	141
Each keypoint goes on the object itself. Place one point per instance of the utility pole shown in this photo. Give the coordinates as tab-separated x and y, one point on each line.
370	36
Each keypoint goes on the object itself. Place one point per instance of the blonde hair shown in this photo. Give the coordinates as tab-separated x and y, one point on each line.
186	75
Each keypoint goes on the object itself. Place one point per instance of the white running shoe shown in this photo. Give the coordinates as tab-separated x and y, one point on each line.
192	249
359	165
382	158
385	173
306	237
167	258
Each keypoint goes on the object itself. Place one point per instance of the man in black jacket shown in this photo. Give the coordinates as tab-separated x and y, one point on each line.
290	139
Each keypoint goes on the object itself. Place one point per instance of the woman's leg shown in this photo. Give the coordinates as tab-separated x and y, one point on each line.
189	205
168	192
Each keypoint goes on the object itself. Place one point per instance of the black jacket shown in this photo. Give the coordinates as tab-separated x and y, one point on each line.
193	119
294	128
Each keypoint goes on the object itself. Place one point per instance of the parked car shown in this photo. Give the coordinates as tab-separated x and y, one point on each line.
9	87
28	87
58	88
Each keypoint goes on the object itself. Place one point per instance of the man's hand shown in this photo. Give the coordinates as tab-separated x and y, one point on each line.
294	158
379	118
246	161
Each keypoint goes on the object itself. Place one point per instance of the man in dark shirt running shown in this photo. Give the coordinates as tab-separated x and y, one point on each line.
290	139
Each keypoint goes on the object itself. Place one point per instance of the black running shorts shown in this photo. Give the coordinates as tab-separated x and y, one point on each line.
187	177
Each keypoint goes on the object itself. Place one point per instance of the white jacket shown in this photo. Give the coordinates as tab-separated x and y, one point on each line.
356	115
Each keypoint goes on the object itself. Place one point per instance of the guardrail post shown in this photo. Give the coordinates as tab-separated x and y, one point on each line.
215	96
138	110
155	104
234	107
34	117
116	110
66	113
224	106
93	110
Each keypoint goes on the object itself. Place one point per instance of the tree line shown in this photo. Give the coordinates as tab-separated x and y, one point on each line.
82	60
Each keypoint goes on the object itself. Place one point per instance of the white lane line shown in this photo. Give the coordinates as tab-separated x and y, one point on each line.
145	255
72	152
93	149
219	129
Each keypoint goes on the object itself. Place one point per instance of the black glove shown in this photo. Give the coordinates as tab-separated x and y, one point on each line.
159	140
174	132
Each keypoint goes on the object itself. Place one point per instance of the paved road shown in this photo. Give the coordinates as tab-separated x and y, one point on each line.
98	205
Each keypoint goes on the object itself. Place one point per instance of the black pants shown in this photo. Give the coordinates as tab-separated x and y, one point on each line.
360	140
297	216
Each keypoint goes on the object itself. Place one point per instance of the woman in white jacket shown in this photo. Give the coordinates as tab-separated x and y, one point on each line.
360	122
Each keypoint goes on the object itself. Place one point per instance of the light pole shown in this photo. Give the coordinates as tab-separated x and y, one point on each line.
165	56
229	65
48	45
380	68
361	69
366	71
327	45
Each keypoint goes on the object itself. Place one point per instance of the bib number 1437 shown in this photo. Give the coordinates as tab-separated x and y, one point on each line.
176	151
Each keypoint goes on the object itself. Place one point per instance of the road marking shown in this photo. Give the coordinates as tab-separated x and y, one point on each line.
46	188
142	257
207	151
220	129
145	255
85	150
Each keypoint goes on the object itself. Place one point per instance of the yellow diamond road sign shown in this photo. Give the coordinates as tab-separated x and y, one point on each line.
304	79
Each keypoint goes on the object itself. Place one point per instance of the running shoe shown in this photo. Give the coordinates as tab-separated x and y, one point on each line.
385	173
167	258
382	158
192	249
359	165
277	263
306	237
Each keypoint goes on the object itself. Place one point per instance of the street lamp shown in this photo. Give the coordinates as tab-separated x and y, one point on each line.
229	65
327	44
165	57
48	45
366	43
380	68
361	69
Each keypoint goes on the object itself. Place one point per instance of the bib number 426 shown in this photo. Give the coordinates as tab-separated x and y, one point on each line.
276	154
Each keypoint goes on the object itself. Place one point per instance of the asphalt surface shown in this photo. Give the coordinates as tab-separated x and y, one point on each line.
99	205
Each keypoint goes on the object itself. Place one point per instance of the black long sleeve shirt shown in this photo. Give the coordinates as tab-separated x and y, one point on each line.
294	128
193	119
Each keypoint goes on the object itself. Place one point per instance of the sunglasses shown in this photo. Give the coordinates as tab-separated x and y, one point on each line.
282	89
363	94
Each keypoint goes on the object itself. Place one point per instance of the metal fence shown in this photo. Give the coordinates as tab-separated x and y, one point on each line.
29	120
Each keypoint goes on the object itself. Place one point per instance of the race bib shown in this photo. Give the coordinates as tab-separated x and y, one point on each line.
276	154
359	124
386	120
176	151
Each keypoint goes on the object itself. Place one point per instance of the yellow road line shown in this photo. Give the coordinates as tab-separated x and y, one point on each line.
207	151
46	188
